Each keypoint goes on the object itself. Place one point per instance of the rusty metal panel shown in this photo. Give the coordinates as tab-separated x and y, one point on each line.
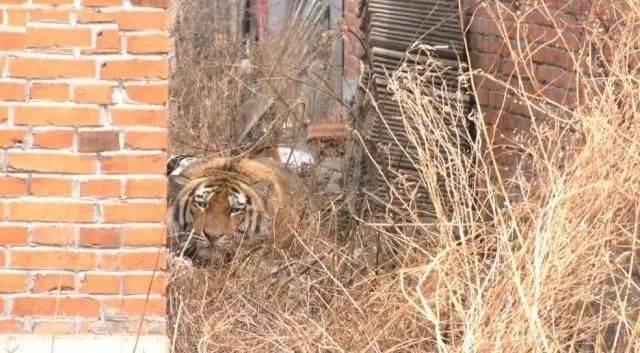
392	28
398	24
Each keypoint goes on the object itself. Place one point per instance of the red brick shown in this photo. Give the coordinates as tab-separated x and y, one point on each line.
136	307
53	139
44	162
11	137
51	211
54	260
49	15
148	94
101	284
146	188
13	282
56	306
134	164
51	186
53	2
101	3
143	20
12	41
543	35
97	17
107	42
146	140
139	117
58	282
131	261
53	235
56	116
58	37
100	188
134	212
143	284
9	325
148	44
53	327
51	68
17	17
556	56
485	44
558	95
13	236
484	26
10	186
12	91
555	75
134	69
101	94
100	237
144	236
98	141
50	91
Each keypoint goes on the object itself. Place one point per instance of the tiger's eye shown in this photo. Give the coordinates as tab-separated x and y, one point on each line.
236	210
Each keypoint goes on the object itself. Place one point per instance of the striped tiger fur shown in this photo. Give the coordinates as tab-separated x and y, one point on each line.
221	203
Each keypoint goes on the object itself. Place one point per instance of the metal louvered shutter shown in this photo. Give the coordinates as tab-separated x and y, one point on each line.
391	29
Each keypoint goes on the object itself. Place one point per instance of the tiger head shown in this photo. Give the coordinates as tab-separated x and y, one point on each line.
219	204
221	213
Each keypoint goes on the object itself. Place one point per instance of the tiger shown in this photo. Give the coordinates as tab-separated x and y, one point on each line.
218	204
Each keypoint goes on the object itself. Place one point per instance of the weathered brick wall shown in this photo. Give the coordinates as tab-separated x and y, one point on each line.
533	40
82	136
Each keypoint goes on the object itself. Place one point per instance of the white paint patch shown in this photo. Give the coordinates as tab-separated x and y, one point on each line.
82	344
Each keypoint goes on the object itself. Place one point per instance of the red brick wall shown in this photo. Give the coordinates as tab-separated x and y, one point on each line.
521	39
82	136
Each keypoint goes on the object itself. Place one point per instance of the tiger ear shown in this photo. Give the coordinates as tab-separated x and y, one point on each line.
264	188
176	165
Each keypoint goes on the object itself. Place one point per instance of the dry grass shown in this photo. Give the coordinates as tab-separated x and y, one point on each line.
555	269
231	94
